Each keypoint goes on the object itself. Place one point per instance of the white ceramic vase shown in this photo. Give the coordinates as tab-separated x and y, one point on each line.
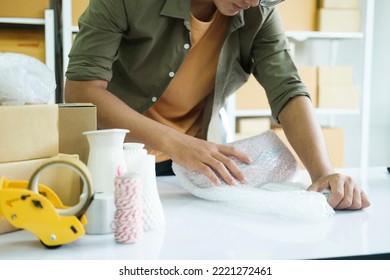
106	158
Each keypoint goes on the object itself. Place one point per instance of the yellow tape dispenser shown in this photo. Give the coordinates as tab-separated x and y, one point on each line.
36	208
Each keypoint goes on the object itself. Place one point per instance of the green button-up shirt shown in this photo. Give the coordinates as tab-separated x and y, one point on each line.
138	45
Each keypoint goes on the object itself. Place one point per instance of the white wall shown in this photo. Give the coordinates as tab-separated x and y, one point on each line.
380	101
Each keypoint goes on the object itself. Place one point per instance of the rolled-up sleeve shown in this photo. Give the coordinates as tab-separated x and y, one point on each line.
273	65
95	47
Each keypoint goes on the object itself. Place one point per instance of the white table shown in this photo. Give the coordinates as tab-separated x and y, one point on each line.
198	229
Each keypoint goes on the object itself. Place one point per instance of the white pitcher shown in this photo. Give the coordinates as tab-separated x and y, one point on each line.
106	158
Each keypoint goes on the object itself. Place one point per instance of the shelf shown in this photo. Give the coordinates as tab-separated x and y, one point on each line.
29	21
306	35
319	111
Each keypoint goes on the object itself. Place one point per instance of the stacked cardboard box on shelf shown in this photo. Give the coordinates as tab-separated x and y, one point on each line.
336	89
321	15
299	15
250	126
78	7
21	39
252	96
309	76
23	8
28	41
31	136
334	140
339	16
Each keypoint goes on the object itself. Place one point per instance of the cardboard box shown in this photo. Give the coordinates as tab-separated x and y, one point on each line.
251	96
339	20
335	75
74	119
78	7
28	132
309	77
339	4
334	140
251	126
62	180
24	8
338	97
335	143
28	41
299	15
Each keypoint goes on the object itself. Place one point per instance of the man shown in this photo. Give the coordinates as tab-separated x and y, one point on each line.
163	69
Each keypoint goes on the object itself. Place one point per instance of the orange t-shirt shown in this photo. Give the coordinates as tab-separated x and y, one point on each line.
181	105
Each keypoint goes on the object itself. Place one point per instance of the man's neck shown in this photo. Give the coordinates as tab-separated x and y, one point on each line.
203	10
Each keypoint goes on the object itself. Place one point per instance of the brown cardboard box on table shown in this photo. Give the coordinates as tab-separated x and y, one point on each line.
28	41
339	20
74	119
62	180
24	8
298	15
28	132
31	134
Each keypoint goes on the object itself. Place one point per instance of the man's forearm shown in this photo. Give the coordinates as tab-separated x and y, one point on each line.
305	136
113	113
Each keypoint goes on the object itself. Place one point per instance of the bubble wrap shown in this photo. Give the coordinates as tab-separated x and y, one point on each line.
25	80
269	189
138	161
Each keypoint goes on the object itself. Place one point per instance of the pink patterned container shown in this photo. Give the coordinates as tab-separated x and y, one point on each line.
128	220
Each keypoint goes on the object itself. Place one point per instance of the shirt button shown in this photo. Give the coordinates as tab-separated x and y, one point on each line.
171	74
154	99
186	46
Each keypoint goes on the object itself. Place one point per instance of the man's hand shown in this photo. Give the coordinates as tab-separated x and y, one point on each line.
345	194
209	158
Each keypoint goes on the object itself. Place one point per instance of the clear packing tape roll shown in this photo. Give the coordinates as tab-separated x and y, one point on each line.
269	190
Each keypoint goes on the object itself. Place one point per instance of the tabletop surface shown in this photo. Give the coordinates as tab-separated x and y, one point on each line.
198	229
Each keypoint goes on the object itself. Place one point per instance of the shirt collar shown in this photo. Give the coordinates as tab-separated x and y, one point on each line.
177	9
181	9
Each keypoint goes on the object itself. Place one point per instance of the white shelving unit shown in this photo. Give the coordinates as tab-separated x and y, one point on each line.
49	24
68	30
334	38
